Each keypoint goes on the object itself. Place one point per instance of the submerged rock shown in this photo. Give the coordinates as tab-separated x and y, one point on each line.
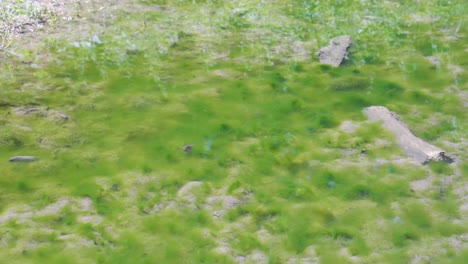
348	126
433	61
335	52
413	146
25	110
223	203
186	192
23	159
43	112
187	148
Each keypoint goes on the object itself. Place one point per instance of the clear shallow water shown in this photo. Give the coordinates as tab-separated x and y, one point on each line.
264	129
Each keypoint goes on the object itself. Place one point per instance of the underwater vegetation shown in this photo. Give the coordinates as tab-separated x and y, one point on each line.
207	132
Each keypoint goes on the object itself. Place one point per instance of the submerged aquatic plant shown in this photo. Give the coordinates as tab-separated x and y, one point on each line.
207	131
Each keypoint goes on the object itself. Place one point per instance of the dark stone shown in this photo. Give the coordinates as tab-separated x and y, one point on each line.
187	148
115	187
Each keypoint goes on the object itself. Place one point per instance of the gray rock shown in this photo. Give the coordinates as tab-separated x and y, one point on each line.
25	110
23	159
62	115
42	111
348	126
413	146
433	60
335	52
186	192
95	39
222	203
187	148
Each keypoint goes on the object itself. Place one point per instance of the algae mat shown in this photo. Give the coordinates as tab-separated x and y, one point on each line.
207	132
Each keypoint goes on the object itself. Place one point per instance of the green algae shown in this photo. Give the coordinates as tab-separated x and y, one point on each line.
262	124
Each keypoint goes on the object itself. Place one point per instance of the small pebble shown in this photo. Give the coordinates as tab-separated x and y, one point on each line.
115	187
23	159
187	148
